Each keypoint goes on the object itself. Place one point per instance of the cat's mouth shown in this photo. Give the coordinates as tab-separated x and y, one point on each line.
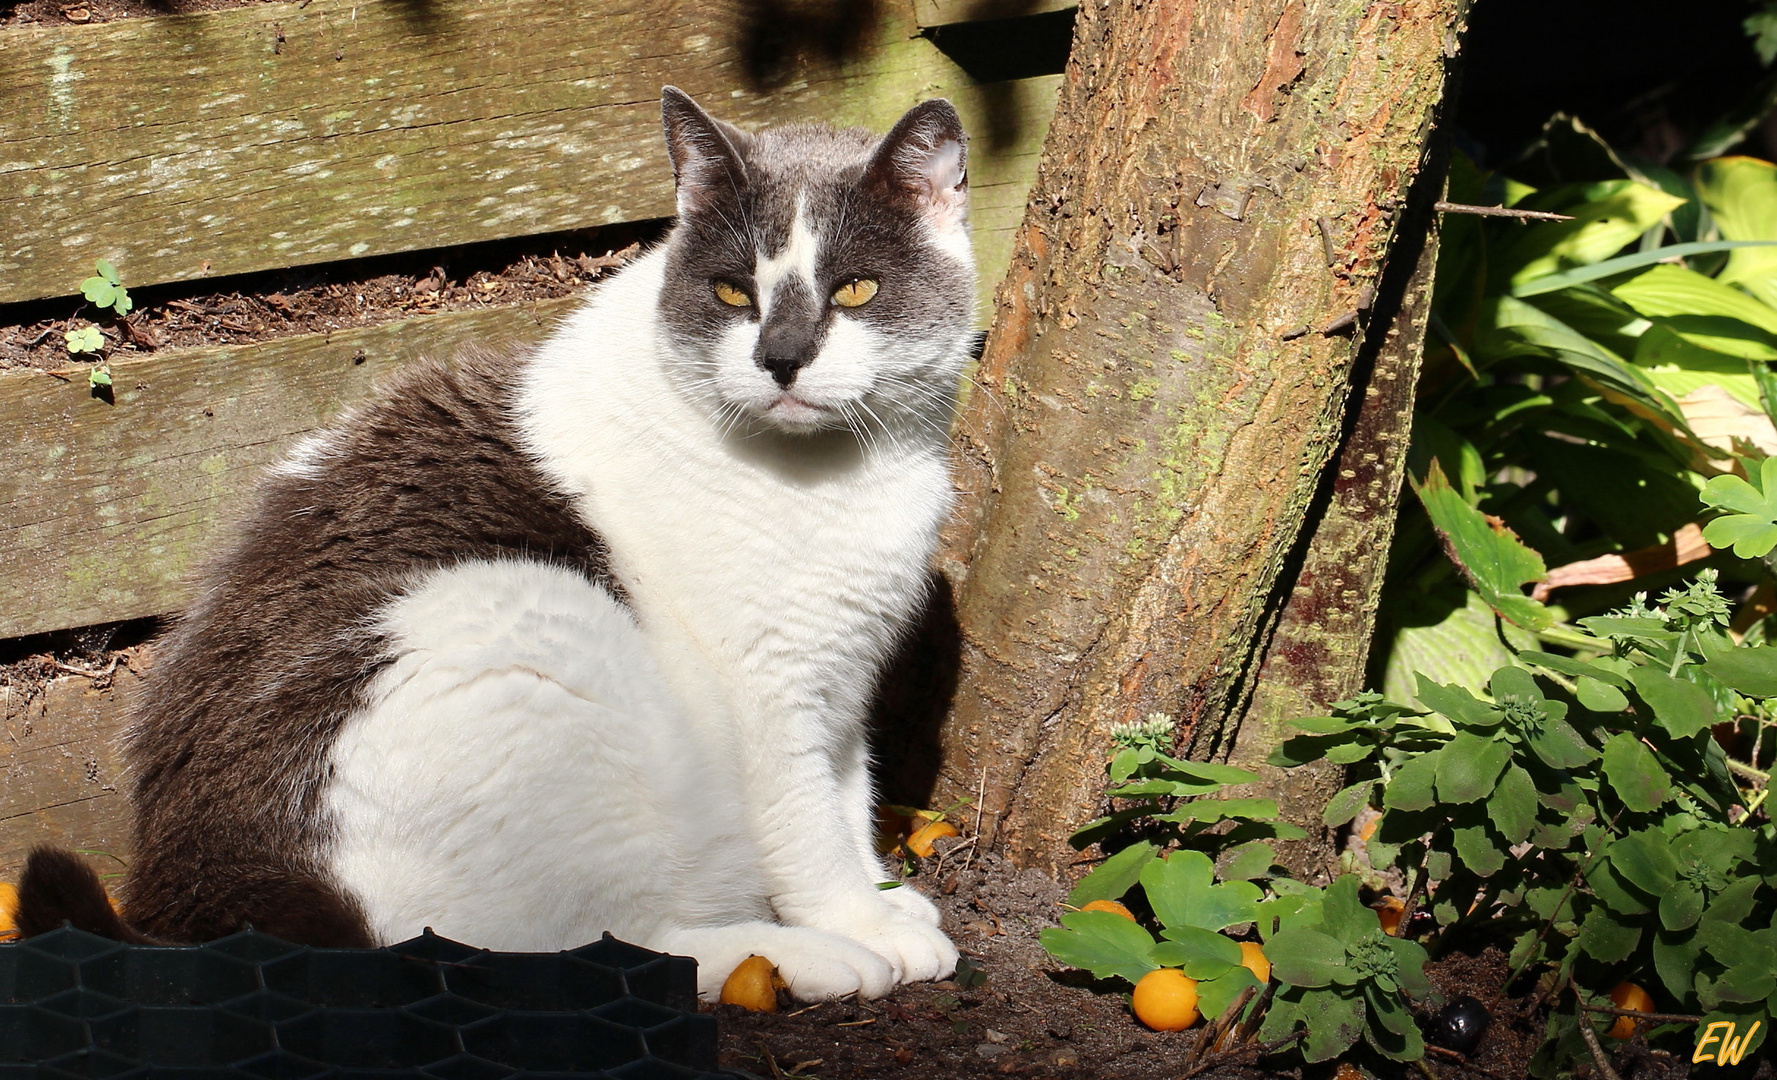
793	411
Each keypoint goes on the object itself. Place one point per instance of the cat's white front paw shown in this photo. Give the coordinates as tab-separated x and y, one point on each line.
910	901
916	949
816	965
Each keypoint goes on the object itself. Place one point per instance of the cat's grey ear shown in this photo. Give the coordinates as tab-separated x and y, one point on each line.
926	156
706	153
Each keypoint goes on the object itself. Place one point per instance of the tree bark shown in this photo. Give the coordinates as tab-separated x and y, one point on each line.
1167	374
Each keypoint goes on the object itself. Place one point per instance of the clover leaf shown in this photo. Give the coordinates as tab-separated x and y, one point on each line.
1751	527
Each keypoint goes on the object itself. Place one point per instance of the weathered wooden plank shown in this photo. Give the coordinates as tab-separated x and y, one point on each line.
104	508
278	135
929	13
60	769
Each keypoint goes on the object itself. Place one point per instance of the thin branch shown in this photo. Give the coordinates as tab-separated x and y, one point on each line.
1217	1027
1664	1018
1591	1037
1499	211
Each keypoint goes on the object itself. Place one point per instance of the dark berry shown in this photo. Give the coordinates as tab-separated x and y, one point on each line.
1460	1025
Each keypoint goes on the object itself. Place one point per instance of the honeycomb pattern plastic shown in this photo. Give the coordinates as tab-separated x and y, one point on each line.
252	1006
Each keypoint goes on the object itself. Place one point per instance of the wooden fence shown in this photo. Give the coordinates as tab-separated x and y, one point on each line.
185	147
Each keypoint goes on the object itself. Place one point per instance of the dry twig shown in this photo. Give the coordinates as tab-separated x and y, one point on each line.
1499	211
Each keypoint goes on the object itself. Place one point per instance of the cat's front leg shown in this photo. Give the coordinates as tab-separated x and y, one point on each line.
817	875
858	805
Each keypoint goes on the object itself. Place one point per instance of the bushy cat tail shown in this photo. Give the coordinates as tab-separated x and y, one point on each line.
58	887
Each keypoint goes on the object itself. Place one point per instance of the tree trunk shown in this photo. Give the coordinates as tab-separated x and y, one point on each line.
1167	374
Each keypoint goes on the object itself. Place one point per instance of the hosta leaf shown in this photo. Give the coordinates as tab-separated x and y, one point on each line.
1469	766
1634	773
1489	555
1113	877
1704	311
1303	957
1682	708
1102	943
1741	194
1618	212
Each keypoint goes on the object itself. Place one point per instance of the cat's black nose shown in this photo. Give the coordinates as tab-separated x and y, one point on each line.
783	368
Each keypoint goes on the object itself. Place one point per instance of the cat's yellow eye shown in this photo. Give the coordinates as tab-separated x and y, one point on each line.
732	296
855	292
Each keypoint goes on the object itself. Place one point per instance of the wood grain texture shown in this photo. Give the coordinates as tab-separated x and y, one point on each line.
105	508
60	769
930	13
214	143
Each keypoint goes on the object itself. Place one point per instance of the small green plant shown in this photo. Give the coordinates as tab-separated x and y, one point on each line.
106	289
84	339
1338	976
1582	812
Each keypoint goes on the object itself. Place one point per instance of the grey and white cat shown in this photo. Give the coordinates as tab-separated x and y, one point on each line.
530	649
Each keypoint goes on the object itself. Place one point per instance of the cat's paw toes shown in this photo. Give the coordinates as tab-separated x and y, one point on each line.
814	964
918	950
910	901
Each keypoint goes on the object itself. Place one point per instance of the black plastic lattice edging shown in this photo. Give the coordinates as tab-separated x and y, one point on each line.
250	1005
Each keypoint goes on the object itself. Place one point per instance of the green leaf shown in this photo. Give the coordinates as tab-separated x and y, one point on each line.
1617	213
1634	773
1207	810
1345	916
1603	937
1741	194
1348	803
1681	906
1675	956
1682	708
1203	954
1181	890
1512	806
1600	697
1247	861
1745	983
1645	858
1750	670
99	291
1113	877
1703	311
85	339
1468	767
121	302
1215	995
1618	892
1303	957
1480	853
1487	553
1622	264
99	376
1102	943
1334	1022
1391	1030
1457	704
1559	745
107	271
1411	788
1579	669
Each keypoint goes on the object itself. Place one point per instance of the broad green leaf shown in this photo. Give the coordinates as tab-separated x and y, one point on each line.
1489	555
98	291
1622	264
1469	765
1703	311
1634	773
1346	918
1645	858
1600	697
1391	1029
1479	851
1752	671
1215	995
1733	904
1741	194
1247	861
1746	983
1567	665
1620	211
1207	810
1681	906
1675	957
1448	645
1102	943
1181	890
1603	937
1304	957
1616	891
1457	704
1204	954
1516	327
1559	745
1347	803
1682	708
1678	366
1334	1022
1512	806
1411	788
107	271
1113	877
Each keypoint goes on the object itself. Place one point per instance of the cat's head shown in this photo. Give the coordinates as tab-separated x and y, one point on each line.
818	279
